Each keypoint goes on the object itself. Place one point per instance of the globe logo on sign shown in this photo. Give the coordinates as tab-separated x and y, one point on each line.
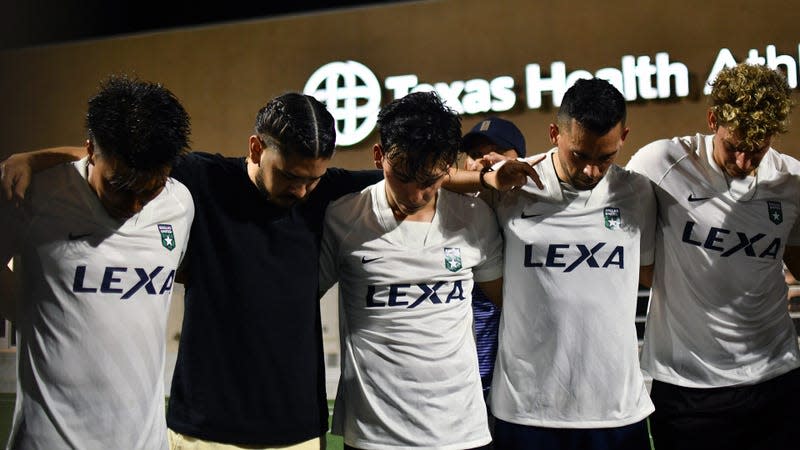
352	94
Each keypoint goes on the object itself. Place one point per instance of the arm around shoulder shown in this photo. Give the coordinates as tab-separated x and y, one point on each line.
503	176
329	251
16	171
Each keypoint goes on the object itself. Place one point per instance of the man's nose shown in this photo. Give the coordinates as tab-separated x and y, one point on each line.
744	161
592	170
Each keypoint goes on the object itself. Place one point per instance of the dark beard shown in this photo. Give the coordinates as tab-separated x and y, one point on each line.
285	202
262	188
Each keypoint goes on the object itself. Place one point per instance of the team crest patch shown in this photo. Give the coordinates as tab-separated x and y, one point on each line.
775	212
612	218
167	236
452	259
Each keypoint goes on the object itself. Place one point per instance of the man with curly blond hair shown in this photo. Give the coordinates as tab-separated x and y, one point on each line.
719	342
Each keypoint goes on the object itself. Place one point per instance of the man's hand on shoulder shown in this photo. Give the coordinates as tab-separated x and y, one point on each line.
15	177
514	173
16	170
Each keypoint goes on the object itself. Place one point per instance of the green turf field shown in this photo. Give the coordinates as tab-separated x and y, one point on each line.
6	414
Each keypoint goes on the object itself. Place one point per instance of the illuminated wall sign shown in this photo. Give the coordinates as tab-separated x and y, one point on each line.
471	97
782	62
352	92
634	79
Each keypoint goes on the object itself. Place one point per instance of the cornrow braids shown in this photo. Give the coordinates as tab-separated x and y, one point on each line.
299	124
315	122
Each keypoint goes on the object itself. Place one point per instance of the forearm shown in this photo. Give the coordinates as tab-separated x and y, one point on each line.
463	181
46	158
16	171
508	175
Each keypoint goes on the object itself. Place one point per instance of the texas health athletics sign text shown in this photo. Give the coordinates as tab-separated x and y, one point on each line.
353	93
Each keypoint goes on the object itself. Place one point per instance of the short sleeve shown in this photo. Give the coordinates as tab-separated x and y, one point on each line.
648	219
491	268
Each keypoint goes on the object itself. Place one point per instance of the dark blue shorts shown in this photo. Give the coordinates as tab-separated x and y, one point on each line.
511	436
760	416
485	447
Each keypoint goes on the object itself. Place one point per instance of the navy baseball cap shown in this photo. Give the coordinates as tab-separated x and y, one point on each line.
501	132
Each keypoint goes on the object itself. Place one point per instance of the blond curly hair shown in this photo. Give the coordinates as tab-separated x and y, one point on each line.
753	101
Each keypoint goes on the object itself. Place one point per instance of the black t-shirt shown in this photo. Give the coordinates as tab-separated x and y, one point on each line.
250	363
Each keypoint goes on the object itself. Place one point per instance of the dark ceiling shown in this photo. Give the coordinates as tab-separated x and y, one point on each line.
25	23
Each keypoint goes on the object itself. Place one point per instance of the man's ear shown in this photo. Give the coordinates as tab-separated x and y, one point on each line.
90	150
255	150
553	132
377	155
712	120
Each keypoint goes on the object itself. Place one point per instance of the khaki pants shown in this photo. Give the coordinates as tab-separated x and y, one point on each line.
179	441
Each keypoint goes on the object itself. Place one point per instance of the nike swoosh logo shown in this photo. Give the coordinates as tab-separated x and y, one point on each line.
528	216
365	260
75	237
692	198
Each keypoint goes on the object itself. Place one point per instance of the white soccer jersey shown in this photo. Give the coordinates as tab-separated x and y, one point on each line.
568	351
718	313
409	364
92	317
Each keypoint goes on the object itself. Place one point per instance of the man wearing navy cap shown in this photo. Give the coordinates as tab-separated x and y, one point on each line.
499	136
492	135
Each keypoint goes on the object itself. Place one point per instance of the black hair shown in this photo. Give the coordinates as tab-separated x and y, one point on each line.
141	124
298	124
419	134
595	104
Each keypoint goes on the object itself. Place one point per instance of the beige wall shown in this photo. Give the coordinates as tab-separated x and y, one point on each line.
225	73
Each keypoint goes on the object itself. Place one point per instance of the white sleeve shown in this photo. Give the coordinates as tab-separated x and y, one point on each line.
648	160
491	268
649	212
187	202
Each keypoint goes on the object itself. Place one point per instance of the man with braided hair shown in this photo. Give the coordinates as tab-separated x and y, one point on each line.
719	342
250	367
